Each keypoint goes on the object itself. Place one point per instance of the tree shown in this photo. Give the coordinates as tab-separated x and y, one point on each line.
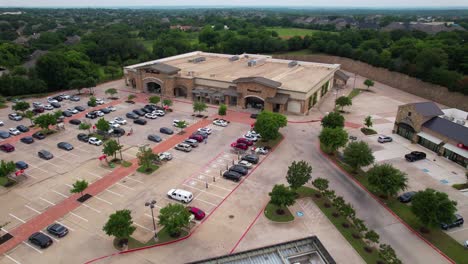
387	253
432	207
103	126
359	225
85	126
199	107
299	173
268	125
29	115
372	236
387	179
343	101
92	101
282	196
174	217
167	102
339	202
111	148
368	121
111	92
222	110
146	157
333	120
21	106
154	99
120	225
332	138
79	187
369	83
358	154
347	210
321	184
45	120
181	124
131	97
6	167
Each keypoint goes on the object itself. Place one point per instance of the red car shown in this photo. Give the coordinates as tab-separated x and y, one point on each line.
245	141
198	213
7	147
239	146
198	138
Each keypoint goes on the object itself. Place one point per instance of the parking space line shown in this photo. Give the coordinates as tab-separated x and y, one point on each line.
35	167
458	230
32	247
149	216
204	191
68	152
47	201
130	178
94	174
135	223
118	194
65	226
59	193
212	185
17	218
58	157
3	229
66	184
102	200
79	216
56	240
198	199
92	208
29	175
32	209
118	183
12	259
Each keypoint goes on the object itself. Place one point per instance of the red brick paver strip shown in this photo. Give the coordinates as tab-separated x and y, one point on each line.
41	221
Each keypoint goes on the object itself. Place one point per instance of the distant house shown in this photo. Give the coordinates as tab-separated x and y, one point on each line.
182	28
430	28
33	58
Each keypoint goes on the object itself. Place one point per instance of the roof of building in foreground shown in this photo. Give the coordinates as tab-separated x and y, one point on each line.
297	76
306	250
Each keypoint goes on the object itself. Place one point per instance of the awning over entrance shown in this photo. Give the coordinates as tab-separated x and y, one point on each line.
456	150
278	99
231	91
430	138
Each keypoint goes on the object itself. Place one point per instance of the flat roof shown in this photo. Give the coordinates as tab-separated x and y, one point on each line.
300	78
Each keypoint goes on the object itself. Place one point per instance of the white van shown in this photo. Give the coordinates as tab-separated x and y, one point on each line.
180	195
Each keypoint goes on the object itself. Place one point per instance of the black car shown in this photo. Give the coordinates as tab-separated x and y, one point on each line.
21	165
166	130
41	240
118	132
80	108
38	135
150	107
406	197
253	116
4	134
140	121
67	113
456	223
91	115
105	110
415	156
27	140
251	158
239	169
146	110
82	137
74	122
22	128
57	230
131	115
65	146
58	98
232	175
154	138
55	105
138	112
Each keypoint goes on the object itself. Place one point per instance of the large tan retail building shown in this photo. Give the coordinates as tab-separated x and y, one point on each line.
246	81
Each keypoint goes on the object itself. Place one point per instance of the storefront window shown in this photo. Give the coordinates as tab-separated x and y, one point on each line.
406	133
456	158
428	144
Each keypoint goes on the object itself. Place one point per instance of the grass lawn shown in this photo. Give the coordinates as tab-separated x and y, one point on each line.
368	131
126	164
270	213
460	186
354	93
142	169
270	143
357	243
163	236
3	181
291	31
436	236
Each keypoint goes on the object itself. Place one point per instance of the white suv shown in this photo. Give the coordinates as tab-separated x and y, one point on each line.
180	195
120	120
94	141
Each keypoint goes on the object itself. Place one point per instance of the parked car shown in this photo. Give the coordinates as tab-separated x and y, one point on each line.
37	104
72	110
140	121
244	164
113	124
44	154
38	110
67	113
105	110
51	100
112	108
206	130
120	120
253	116
75	98
260	150
15	117
7	147
80	108
82	137
4	134
27	140
251	158
239	169
14	131
198	213
384	139
94	141
132	115
203	134
22	128
65	146
55	104
151	116
21	165
146	110
166	130
198	138
220	122
232	175
241	146
1	123
57	230
251	137
138	112
165	156
245	141
253	134
91	115
99	113
118	131
74	122
38	135
183	147
159	112
58	98
41	240
99	101
154	138
406	197
192	142
48	107
65	96
415	156
456	223
180	195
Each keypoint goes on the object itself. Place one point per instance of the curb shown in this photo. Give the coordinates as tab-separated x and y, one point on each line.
387	208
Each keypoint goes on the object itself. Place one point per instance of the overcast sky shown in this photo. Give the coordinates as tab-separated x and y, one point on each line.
311	3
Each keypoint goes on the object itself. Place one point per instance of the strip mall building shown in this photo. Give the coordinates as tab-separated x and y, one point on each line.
245	81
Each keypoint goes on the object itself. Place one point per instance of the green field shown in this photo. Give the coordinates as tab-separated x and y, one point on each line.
291	32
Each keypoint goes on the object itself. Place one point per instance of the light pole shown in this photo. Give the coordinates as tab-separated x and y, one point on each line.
120	149
151	206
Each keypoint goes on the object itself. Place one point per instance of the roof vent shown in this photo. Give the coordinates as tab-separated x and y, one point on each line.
292	64
234	58
198	60
460	122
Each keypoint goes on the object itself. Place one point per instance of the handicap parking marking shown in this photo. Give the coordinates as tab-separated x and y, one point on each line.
27	244
12	259
210	184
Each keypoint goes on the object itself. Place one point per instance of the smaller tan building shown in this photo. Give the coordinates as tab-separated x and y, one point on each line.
426	124
245	81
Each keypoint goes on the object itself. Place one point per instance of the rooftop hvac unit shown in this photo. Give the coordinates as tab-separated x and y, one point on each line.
251	63
292	64
234	58
198	60
460	122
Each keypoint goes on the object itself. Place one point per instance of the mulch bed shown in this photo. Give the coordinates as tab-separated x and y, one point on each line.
83	198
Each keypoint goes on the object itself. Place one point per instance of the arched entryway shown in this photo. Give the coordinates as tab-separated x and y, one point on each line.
405	130
254	102
180	91
153	87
